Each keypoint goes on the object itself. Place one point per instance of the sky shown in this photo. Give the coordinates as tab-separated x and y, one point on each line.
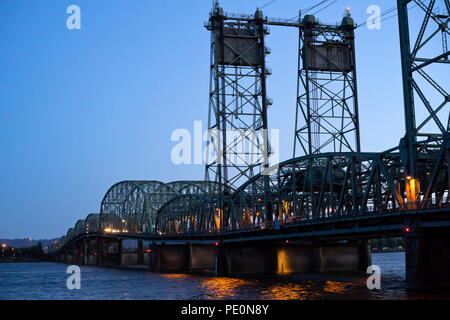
83	109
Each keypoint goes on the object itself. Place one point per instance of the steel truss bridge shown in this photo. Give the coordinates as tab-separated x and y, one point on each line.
330	195
304	190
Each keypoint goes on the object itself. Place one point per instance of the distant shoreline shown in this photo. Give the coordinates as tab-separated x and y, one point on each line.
387	250
20	259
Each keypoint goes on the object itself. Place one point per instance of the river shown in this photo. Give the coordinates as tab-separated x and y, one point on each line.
47	281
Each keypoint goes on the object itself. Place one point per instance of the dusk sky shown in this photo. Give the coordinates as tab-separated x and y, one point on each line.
83	109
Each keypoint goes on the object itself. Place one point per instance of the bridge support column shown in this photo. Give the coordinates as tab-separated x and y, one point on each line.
87	251
154	258
186	258
427	259
65	257
74	254
189	258
120	252
140	252
365	257
99	251
271	259
221	262
83	251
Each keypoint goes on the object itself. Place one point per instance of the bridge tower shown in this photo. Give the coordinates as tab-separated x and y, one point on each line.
327	105
425	148
237	145
426	102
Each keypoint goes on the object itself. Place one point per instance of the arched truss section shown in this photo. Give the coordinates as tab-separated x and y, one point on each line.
131	206
195	187
79	228
62	242
188	213
330	186
92	223
70	235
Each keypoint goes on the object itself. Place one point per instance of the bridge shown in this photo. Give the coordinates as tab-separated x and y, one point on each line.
315	212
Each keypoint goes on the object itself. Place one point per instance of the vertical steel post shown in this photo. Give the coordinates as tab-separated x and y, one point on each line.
408	97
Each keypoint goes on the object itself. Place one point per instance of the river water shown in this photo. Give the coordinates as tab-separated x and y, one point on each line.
47	281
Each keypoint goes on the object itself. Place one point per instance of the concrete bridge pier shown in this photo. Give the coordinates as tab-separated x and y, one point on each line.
365	256
120	255
74	254
346	256
186	258
92	252
99	251
83	252
291	257
241	259
140	252
67	257
153	257
427	259
169	258
77	253
220	260
86	251
200	258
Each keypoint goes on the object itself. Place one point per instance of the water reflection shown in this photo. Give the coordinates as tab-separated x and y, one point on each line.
174	275
335	287
290	292
278	288
224	288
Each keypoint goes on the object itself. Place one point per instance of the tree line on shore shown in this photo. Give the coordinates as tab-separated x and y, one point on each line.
33	252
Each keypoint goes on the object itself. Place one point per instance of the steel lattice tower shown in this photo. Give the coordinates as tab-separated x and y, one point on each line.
426	117
327	105
238	100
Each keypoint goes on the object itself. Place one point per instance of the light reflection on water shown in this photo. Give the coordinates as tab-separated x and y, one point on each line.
224	288
48	281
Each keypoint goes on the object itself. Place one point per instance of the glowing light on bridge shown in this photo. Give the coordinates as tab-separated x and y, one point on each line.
412	191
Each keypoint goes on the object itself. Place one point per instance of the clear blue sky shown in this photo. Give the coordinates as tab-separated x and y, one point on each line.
83	109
